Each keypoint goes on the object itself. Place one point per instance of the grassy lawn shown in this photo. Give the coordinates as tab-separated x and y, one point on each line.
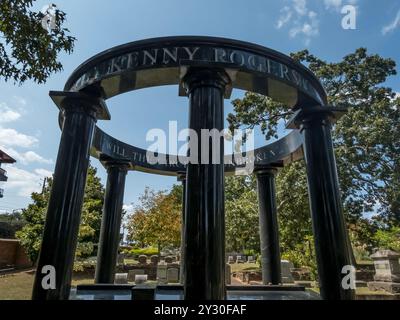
18	286
236	267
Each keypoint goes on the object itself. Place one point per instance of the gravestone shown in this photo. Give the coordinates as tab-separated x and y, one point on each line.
228	274
231	260
140	278
240	259
121	278
120	259
387	271
162	272
154	260
142	259
251	259
168	259
286	267
132	274
173	275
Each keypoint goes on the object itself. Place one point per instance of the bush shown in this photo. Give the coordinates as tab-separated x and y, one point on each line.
388	239
145	251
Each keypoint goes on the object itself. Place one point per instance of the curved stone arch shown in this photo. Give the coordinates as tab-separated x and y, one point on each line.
161	61
283	151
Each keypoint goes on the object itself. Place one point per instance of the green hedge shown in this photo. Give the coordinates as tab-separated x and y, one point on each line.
145	251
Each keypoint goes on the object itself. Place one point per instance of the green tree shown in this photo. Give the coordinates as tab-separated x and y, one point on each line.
27	50
366	142
241	214
156	221
10	223
35	215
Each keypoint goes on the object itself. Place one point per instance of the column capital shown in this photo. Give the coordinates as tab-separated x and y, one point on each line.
323	114
198	76
110	163
79	101
181	176
266	170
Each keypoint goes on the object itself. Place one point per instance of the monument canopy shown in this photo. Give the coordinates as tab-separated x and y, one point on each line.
164	61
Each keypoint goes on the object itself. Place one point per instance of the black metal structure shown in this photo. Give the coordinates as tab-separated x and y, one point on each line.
206	70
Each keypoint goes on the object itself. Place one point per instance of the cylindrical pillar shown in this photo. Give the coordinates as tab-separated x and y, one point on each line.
64	210
111	222
182	178
330	234
269	229
204	216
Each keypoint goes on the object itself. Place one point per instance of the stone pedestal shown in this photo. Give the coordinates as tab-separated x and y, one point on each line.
387	271
228	274
285	269
162	273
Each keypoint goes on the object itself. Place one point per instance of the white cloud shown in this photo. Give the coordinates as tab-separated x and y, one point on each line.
128	208
393	25
7	114
301	20
332	4
26	157
300	6
20	101
25	182
11	137
338	4
284	18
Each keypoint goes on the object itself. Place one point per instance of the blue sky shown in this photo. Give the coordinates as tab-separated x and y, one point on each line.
28	119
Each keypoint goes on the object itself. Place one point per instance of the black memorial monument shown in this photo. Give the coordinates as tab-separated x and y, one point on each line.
206	69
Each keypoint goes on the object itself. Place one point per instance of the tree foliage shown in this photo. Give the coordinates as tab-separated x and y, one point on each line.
241	215
156	221
35	215
366	141
10	223
27	50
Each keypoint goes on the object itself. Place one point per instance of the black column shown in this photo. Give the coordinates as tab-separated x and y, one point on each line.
111	222
330	234
269	229
204	216
65	203
182	178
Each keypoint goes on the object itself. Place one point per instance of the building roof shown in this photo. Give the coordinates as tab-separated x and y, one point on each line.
5	158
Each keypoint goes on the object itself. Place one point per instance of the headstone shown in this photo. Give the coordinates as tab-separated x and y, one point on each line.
121	278
132	274
240	259
142	259
120	259
387	271
168	259
162	272
286	266
251	259
140	278
154	260
173	275
228	274
231	260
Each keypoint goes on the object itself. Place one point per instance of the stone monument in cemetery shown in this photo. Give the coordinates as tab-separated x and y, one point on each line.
172	275
162	269
142	260
387	271
286	267
205	70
